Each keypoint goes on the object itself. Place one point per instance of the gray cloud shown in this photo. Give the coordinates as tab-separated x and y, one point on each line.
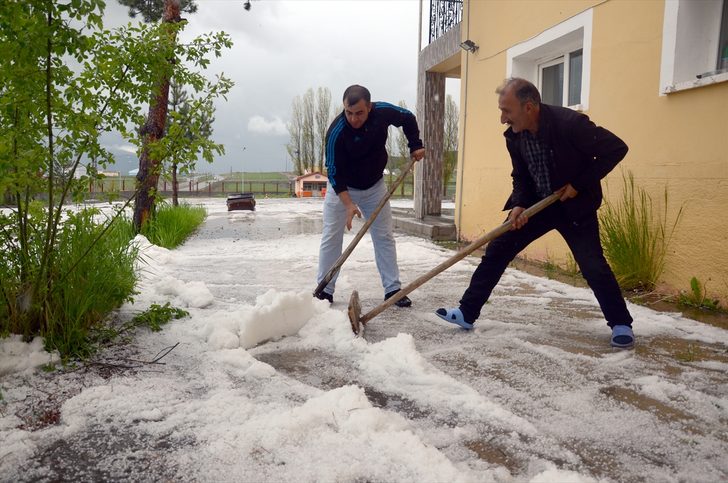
282	48
259	125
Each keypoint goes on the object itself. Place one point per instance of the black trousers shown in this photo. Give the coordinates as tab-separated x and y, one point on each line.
582	238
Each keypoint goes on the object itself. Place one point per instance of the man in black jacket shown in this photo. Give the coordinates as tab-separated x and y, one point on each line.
356	156
552	149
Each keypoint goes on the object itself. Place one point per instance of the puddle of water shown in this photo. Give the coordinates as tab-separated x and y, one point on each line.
251	226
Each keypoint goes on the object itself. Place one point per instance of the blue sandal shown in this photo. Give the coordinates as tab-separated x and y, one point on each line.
454	316
622	336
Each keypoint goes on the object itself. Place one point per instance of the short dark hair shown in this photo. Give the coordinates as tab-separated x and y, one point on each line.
523	89
355	93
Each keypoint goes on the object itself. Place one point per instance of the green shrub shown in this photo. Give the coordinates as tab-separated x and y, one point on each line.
156	316
634	238
172	225
697	297
92	273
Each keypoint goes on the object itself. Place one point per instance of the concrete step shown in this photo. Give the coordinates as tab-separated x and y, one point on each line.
439	228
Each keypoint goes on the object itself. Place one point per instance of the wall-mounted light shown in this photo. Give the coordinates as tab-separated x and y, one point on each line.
469	45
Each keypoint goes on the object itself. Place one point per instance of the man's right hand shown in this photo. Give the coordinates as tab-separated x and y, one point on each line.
351	208
418	154
517	218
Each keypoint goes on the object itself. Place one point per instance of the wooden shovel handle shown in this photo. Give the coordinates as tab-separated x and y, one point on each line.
362	231
491	235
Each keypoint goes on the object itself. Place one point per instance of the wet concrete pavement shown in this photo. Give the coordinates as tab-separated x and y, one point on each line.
540	351
658	411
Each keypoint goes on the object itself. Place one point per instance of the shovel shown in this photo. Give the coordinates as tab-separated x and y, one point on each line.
342	258
358	321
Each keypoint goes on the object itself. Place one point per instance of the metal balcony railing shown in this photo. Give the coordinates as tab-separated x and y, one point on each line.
444	15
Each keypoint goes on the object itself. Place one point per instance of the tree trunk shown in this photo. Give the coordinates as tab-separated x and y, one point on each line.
175	194
152	131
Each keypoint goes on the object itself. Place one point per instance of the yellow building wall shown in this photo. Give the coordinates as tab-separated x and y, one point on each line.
678	142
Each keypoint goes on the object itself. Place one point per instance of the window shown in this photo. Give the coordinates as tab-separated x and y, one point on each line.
313	186
694	44
560	79
557	61
551	82
574	84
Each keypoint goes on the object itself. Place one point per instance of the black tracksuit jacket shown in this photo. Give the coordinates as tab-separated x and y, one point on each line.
356	158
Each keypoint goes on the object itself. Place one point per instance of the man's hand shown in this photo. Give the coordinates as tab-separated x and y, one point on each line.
351	208
517	218
567	192
419	154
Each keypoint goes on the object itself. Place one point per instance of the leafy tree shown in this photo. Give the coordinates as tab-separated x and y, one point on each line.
402	147
152	10
64	81
295	130
177	104
310	119
153	128
156	143
323	119
309	130
450	142
189	126
51	120
390	147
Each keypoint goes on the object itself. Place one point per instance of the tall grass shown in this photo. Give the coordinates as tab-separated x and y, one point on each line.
172	225
635	237
92	275
93	272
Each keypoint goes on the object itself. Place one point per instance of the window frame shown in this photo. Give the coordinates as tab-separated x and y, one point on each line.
679	35
525	59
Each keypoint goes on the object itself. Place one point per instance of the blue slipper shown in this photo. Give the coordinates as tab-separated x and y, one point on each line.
454	316
622	336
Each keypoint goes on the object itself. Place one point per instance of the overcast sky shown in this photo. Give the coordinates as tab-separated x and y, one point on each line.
282	48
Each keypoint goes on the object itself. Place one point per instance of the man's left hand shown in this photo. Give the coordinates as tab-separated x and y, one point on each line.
419	154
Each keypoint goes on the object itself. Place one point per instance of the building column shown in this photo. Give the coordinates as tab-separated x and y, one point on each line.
431	117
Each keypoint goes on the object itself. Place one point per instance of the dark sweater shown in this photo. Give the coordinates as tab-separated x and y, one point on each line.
356	158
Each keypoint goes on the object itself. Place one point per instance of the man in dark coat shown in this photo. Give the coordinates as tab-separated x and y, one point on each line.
553	149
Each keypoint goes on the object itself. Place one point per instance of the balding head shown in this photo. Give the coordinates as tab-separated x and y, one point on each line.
522	89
